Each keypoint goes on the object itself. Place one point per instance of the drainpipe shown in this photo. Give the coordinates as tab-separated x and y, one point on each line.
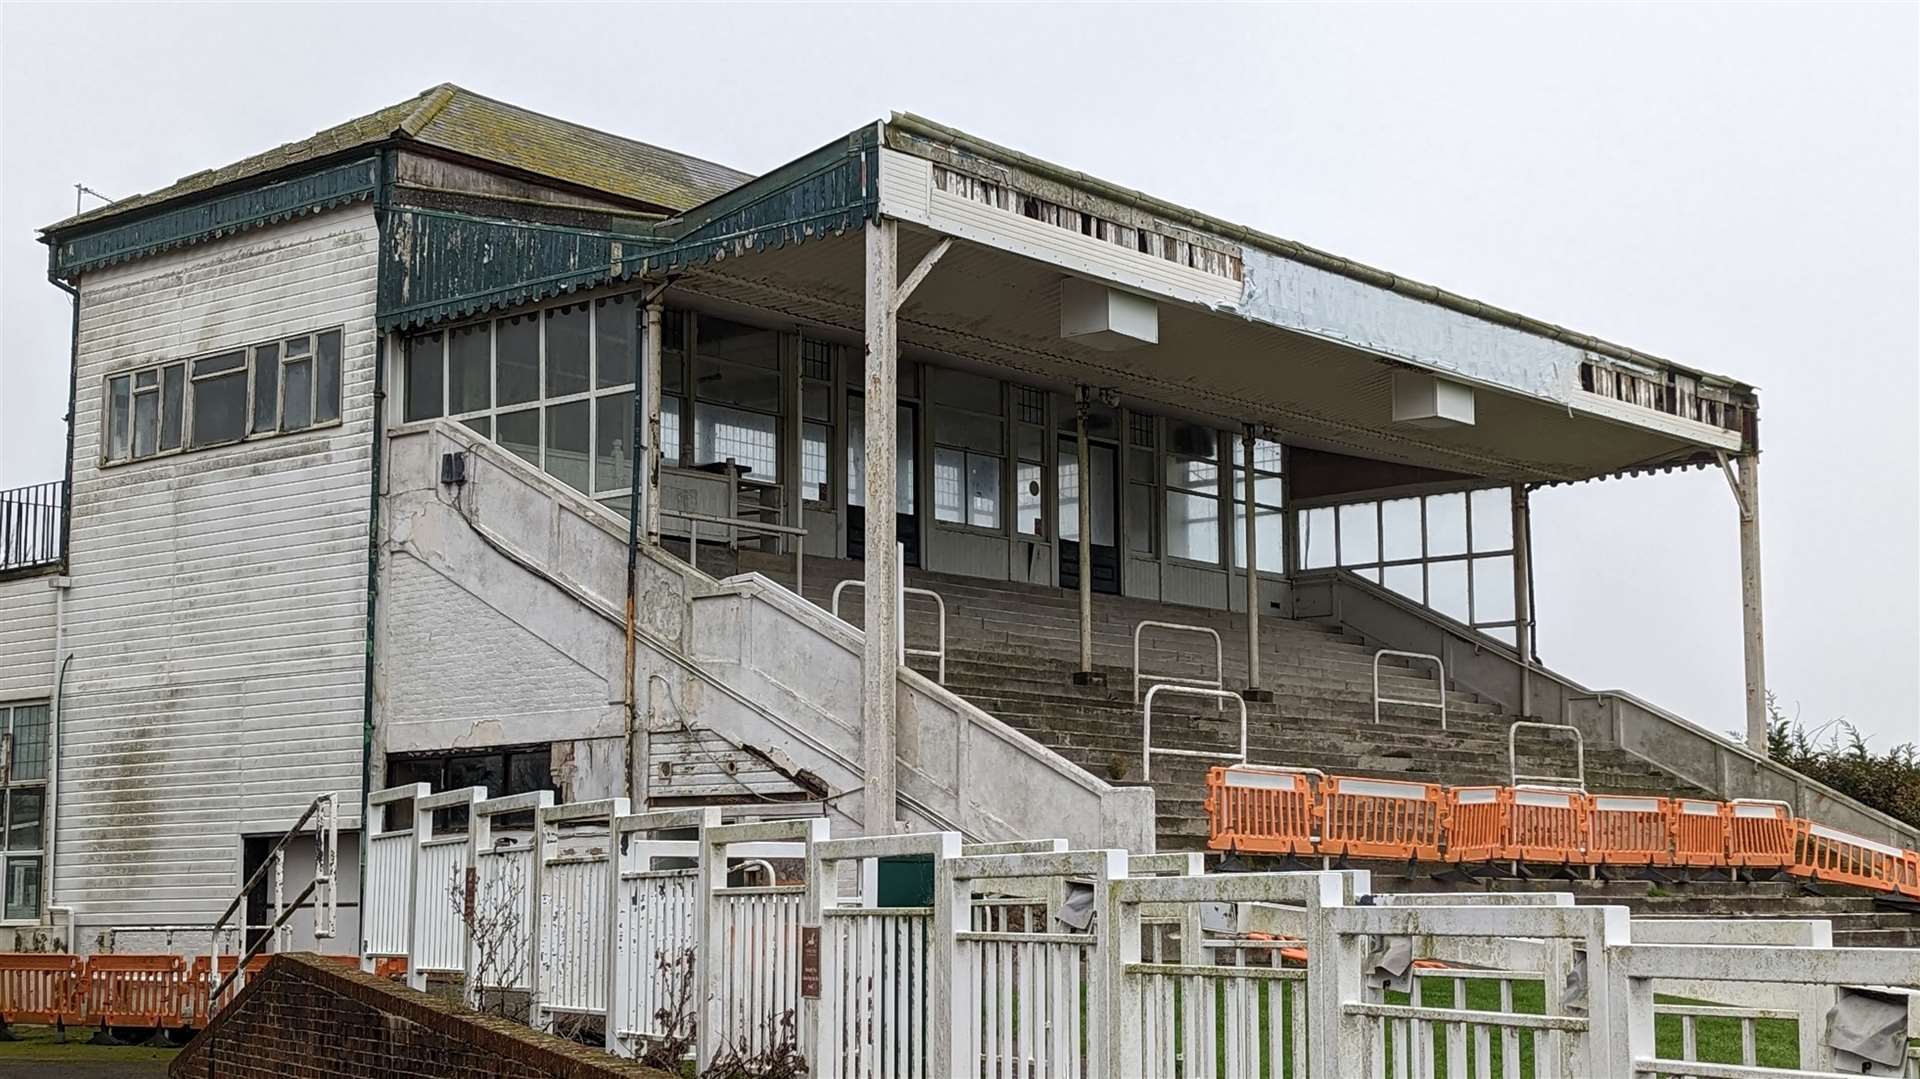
60	585
373	527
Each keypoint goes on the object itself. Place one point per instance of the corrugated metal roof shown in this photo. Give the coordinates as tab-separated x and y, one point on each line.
458	120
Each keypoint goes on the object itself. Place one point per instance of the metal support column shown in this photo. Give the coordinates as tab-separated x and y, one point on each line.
1083	504
1746	493
1523	593
1253	692
880	657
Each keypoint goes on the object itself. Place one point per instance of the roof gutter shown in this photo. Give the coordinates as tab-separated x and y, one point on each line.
1298	252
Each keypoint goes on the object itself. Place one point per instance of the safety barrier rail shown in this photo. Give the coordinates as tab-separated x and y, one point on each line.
1264	809
32	525
1577	781
1439	666
142	992
1147	749
1218	681
796	537
940	611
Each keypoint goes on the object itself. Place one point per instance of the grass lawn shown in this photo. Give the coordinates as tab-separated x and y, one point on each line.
37	1054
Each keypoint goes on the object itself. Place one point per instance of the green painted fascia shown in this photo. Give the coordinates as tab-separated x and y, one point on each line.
439	265
210	218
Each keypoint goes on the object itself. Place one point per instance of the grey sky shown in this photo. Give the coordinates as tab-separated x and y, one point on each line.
1735	187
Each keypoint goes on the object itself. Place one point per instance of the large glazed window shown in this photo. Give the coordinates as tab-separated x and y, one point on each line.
969	440
1451	552
1269	524
23	809
555	387
289	384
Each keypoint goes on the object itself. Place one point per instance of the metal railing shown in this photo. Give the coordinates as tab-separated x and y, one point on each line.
1439	666
1577	781
1146	725
940	610
322	889
797	540
32	525
1219	679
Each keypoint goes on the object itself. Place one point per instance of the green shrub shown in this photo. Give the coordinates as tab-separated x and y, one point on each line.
1889	781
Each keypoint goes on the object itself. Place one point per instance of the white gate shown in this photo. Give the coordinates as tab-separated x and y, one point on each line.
1371	954
440	940
881	975
656	928
749	965
503	901
386	916
1033	1004
576	908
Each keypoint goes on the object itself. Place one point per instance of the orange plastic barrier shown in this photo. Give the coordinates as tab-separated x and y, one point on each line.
136	990
1910	874
1545	824
40	988
1629	831
1843	858
1267	810
1476	823
1699	832
1759	834
1381	818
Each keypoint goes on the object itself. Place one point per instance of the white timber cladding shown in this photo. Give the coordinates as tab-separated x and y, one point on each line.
26	639
217	615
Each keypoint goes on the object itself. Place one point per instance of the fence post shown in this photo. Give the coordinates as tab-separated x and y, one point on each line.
416	902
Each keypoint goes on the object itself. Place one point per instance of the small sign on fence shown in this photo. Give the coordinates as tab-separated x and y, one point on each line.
810	962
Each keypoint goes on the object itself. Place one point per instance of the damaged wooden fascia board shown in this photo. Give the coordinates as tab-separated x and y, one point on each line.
955	142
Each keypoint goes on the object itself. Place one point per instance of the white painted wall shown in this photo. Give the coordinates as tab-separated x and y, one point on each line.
219	596
26	639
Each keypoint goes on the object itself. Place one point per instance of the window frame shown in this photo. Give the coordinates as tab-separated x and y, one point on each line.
1222	513
105	458
8	711
1374	570
1277	511
541	403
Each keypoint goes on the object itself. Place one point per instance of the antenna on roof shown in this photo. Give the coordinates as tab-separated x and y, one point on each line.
81	191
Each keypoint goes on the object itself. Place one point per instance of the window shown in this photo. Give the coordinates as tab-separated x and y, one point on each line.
969	447
737	403
1193	493
1269	522
286	385
554	387
1142	483
23	790
503	770
817	362
1029	449
1451	552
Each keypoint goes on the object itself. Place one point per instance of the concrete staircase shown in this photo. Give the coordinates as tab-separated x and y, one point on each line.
1012	649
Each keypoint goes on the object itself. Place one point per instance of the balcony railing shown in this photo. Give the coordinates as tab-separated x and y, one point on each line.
32	526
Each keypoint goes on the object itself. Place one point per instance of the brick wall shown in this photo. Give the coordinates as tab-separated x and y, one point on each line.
305	1018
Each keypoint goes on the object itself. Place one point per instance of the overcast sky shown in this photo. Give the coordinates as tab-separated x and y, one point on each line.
1734	187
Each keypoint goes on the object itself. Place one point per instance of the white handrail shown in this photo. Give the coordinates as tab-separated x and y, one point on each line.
742	524
940	610
323	812
1378	700
1579	756
1146	725
1219	680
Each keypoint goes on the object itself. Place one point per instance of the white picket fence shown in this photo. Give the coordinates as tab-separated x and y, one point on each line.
1032	961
